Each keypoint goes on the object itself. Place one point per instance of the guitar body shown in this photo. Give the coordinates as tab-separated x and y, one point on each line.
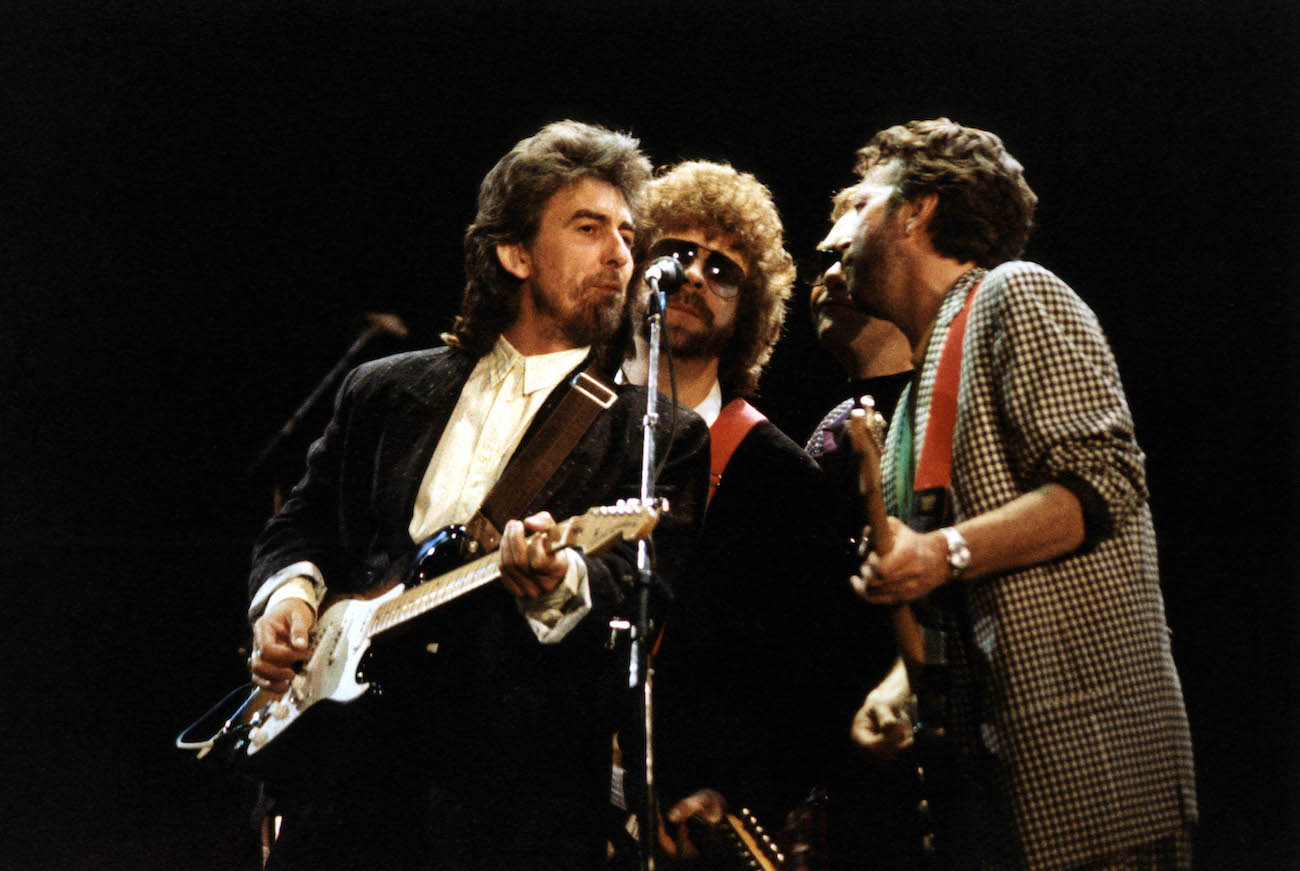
342	668
356	649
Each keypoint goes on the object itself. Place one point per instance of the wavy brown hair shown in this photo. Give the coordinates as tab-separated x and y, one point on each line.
986	208
720	201
511	200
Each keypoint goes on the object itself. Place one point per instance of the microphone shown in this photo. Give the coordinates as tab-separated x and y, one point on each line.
665	275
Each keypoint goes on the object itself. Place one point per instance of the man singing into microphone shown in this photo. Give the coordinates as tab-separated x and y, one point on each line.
738	667
1022	534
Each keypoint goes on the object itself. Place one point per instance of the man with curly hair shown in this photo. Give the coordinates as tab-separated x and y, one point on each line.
738	673
1021	535
489	747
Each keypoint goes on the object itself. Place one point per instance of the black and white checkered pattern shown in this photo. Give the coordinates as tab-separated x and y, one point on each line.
1080	705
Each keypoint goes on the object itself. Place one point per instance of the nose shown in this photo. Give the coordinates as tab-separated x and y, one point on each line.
620	253
841	233
695	272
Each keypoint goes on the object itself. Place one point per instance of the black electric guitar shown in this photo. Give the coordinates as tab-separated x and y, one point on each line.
249	720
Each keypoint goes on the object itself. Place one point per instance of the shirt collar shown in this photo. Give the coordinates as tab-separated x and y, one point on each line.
711	407
540	371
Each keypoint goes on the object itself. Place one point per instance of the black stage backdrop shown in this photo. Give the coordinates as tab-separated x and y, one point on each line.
200	199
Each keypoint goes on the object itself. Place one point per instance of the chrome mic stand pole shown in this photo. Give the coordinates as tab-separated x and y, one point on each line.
641	666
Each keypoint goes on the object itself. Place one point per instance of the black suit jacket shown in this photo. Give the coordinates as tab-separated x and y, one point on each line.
500	729
753	681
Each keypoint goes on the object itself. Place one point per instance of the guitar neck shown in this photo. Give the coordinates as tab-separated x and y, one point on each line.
422	599
866	432
907	632
591	533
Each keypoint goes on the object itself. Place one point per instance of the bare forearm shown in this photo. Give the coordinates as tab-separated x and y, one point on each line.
1028	530
1034	528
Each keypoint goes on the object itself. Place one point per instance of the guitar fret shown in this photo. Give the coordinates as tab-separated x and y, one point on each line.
598	528
431	594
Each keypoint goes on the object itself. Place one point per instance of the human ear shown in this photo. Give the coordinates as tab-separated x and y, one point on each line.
514	259
919	212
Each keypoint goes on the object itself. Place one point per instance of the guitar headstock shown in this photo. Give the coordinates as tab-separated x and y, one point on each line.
866	430
602	527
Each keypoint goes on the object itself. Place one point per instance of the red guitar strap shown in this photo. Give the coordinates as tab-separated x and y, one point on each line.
734	422
935	467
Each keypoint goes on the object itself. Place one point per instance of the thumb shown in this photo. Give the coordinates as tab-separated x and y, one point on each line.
299	625
539	522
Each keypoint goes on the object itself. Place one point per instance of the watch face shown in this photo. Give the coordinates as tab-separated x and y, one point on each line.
958	550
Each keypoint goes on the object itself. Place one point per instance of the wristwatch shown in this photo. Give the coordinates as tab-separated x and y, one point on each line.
958	553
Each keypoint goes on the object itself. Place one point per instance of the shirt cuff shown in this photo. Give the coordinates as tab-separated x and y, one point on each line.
301	580
554	614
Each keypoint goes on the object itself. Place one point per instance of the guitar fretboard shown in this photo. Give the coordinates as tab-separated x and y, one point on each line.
424	598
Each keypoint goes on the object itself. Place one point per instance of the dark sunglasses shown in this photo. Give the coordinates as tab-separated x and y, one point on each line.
723	275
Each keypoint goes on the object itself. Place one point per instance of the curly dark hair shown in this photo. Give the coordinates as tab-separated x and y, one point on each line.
510	203
986	209
719	200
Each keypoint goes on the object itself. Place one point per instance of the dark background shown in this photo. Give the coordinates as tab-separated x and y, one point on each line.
201	197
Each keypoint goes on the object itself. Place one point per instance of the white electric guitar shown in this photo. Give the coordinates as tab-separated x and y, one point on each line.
342	635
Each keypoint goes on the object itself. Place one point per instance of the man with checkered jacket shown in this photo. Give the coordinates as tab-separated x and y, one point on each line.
1054	703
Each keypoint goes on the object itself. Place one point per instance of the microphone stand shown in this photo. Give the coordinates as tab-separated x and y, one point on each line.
377	324
640	664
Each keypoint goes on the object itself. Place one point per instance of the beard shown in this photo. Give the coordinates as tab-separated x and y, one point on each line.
691	341
592	314
867	270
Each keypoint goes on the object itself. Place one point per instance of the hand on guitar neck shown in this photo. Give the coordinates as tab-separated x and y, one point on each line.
902	565
529	567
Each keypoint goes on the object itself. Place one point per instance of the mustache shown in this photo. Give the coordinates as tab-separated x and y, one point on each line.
610	277
693	300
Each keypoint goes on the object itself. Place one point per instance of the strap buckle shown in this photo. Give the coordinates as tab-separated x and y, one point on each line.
594	390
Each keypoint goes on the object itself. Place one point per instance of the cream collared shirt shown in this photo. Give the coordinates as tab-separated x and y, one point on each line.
498	403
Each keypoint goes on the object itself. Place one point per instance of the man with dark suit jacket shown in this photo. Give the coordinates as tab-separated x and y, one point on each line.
742	688
872	815
489	747
1061	706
